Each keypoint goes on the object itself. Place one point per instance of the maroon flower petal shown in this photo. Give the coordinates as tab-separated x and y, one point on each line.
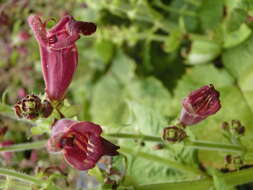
77	158
86	28
80	142
58	52
200	104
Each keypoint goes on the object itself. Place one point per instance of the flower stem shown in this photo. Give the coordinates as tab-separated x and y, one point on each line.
21	176
170	163
23	146
203	145
231	179
134	136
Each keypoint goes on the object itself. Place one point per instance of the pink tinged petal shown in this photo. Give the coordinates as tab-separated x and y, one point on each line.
38	29
61	24
60	128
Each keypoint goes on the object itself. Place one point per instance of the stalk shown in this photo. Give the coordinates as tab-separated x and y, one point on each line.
23	146
203	145
231	179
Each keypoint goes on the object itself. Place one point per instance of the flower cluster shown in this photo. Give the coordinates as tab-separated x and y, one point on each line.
80	142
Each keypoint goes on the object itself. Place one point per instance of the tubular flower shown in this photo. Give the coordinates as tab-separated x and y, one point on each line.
200	104
58	52
80	142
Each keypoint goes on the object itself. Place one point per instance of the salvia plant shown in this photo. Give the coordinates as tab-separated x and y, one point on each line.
128	95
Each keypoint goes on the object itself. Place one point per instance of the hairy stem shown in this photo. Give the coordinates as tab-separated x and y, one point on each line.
203	145
23	146
231	179
21	176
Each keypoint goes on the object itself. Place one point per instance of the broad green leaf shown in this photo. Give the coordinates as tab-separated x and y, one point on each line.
211	13
238	61
203	51
173	41
123	67
236	37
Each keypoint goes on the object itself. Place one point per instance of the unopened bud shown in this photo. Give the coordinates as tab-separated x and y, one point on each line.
46	109
225	126
237	127
173	134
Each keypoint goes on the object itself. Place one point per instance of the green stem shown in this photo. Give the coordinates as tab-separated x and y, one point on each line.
167	8
203	145
23	146
231	179
134	136
21	176
169	163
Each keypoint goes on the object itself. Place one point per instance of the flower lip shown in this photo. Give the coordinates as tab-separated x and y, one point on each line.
86	28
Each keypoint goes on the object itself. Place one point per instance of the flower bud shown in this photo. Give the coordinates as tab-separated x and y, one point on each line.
200	104
173	134
80	142
58	52
46	109
237	128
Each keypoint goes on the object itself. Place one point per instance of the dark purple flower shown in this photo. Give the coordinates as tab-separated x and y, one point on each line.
58	52
200	104
80	142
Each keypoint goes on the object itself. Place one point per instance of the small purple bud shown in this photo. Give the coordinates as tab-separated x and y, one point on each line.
46	109
200	104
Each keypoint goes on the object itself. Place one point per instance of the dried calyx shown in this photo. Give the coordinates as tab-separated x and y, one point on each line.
173	134
31	107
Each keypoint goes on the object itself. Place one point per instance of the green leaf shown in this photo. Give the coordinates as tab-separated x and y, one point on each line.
105	49
173	41
107	105
123	67
210	13
203	51
237	37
